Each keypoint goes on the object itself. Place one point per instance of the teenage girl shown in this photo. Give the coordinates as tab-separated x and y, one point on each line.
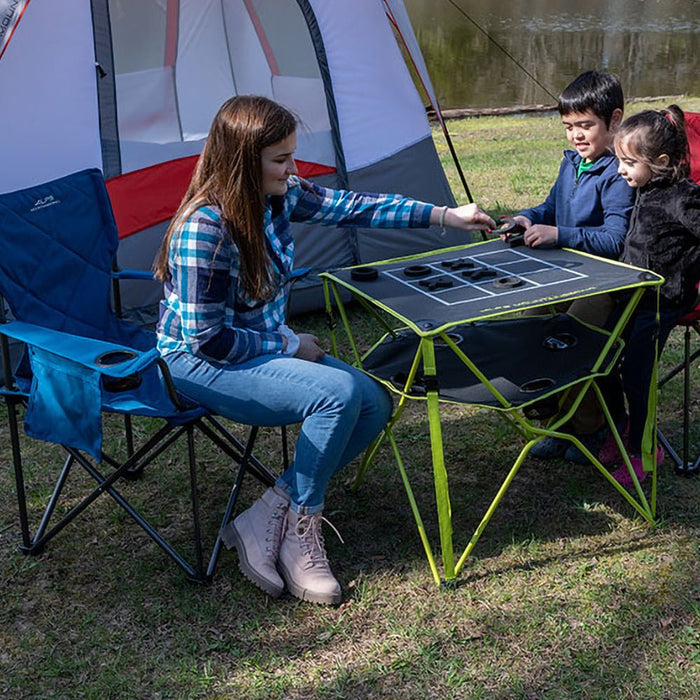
663	236
225	263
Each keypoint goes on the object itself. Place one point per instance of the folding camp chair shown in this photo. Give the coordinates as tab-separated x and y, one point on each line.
691	321
692	130
684	463
80	360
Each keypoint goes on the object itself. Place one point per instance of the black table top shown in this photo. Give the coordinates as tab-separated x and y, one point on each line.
435	290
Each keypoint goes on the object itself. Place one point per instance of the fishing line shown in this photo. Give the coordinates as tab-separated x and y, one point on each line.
433	101
498	46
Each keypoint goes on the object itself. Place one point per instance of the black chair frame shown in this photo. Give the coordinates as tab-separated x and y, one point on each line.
684	463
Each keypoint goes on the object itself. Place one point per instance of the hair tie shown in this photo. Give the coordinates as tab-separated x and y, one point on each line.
441	223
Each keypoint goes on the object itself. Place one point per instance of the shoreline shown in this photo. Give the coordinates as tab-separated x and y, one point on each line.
526	109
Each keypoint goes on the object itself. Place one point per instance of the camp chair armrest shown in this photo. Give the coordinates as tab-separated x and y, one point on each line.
106	358
300	273
133	275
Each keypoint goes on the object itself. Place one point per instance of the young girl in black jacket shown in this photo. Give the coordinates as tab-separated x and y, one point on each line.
663	236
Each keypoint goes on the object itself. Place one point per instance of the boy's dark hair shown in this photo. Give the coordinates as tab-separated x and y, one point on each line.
599	92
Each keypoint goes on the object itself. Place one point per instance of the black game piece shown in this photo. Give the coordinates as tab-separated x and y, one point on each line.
479	273
512	231
436	283
364	274
507	282
416	271
458	264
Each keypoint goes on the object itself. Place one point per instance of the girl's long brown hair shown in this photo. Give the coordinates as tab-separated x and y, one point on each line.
229	175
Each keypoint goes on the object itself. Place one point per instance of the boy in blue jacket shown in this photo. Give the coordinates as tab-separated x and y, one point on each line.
589	206
587	209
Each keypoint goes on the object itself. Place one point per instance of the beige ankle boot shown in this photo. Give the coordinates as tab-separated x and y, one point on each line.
303	561
256	534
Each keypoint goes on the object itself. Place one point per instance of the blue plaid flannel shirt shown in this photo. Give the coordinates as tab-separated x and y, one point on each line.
206	312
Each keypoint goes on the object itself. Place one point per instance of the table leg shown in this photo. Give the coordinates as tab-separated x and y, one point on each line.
442	494
414	507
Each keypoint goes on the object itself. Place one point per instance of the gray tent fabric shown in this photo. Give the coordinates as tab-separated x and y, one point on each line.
141	82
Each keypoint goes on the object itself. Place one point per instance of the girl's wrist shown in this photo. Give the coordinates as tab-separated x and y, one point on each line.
441	221
290	340
437	217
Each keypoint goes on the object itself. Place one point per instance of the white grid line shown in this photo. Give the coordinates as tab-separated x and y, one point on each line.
479	259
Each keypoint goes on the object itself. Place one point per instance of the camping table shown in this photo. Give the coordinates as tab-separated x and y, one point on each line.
450	334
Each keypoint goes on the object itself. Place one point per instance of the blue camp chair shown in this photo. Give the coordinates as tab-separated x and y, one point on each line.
67	358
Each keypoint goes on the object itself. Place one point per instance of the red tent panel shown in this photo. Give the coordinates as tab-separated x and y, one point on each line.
149	196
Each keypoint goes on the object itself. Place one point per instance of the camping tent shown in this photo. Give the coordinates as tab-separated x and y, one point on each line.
131	86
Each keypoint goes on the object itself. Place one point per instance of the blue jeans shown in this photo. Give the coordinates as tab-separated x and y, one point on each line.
340	408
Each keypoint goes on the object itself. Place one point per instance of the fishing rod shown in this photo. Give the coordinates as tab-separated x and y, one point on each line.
432	98
437	107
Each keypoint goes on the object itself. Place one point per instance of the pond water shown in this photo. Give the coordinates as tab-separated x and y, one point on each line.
523	52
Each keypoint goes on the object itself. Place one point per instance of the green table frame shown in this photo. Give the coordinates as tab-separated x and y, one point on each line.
386	312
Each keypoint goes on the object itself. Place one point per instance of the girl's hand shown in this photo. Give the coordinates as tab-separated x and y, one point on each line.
309	349
466	217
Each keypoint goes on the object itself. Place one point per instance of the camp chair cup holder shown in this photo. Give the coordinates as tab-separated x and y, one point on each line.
115	385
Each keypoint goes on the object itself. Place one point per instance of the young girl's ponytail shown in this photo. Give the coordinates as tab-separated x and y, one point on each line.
679	157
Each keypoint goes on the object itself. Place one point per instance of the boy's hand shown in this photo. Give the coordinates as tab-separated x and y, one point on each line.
541	236
520	220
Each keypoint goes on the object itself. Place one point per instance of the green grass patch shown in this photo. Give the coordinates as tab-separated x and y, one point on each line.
567	595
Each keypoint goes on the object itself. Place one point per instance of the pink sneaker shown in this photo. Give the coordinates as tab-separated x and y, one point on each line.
622	475
609	454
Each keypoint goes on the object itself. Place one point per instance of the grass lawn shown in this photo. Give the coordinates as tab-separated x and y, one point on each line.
567	595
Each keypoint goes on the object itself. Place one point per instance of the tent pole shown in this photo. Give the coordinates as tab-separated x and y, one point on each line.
456	160
432	99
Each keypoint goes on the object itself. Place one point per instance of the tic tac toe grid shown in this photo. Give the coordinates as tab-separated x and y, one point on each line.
451	334
485	280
